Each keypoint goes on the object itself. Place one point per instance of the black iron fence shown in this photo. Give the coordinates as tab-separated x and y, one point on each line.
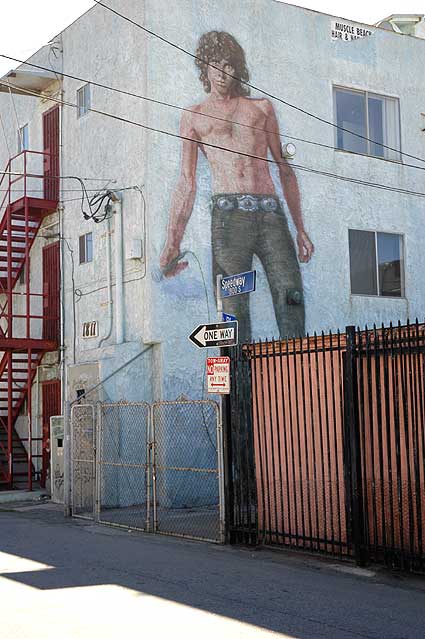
326	445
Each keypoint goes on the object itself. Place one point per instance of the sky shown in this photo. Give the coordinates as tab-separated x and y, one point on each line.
29	24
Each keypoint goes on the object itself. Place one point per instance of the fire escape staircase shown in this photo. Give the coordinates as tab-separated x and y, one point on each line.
23	336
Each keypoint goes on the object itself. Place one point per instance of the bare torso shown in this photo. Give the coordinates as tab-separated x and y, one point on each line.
232	173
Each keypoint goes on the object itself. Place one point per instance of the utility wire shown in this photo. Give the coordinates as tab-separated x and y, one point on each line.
64	190
18	125
248	84
234	151
210	116
115	372
55	177
169	104
5	136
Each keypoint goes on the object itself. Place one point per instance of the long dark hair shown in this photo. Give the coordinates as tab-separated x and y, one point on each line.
217	46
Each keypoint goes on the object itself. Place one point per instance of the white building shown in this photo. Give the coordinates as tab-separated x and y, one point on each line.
120	94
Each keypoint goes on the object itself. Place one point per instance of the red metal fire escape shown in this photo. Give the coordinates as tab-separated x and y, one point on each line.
27	332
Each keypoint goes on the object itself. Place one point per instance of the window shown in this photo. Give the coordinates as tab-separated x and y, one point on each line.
23	138
86	248
376	263
373	116
83	100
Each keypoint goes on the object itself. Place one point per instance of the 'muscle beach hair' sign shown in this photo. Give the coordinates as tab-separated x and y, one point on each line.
348	31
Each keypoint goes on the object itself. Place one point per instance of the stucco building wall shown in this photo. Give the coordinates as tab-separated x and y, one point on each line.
291	55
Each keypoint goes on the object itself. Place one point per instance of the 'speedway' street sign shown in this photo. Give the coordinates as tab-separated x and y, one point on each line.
209	335
238	284
218	375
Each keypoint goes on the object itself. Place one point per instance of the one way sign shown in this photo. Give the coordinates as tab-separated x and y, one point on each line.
209	335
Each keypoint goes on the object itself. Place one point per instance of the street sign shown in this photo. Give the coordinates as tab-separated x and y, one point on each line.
228	318
218	375
238	284
209	335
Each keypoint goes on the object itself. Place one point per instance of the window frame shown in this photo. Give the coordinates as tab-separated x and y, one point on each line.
22	145
402	237
366	93
82	255
84	108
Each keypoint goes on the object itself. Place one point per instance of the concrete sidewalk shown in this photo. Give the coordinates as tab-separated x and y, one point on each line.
14	496
75	579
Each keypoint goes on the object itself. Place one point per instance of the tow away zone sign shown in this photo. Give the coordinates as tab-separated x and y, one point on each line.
218	375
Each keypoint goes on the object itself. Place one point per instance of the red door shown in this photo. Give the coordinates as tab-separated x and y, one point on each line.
51	291
51	149
51	398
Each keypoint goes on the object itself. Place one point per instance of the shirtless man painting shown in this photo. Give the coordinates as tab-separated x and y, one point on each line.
247	216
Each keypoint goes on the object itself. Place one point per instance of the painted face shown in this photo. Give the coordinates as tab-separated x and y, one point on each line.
220	77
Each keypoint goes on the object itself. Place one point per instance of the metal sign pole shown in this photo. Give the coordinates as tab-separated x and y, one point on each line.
218	296
220	438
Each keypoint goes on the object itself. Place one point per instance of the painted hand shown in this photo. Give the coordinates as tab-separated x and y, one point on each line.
168	262
305	247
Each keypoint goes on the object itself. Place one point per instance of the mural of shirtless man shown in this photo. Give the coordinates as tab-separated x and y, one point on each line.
247	216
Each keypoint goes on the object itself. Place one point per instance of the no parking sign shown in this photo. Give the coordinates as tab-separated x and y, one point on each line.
218	375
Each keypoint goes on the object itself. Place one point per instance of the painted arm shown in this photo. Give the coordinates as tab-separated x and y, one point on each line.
290	188
182	201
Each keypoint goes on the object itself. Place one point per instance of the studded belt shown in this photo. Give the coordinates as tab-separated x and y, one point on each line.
249	203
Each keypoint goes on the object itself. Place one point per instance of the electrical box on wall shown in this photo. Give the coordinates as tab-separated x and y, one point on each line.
135	250
56	458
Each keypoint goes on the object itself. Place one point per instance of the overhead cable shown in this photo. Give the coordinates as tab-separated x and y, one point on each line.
233	151
248	84
200	114
176	106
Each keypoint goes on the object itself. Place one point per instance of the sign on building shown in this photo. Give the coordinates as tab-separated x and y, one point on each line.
90	329
348	31
218	375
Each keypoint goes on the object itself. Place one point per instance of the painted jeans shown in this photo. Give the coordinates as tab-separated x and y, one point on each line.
239	234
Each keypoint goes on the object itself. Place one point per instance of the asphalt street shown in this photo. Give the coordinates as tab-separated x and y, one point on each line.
76	579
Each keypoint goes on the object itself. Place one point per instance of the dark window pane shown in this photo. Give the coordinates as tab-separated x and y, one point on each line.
82	249
351	115
390	264
376	126
363	263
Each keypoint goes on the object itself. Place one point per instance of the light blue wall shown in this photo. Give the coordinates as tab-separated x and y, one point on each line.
291	55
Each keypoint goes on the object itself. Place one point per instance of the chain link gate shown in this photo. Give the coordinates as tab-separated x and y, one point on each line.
187	453
83	446
155	468
123	473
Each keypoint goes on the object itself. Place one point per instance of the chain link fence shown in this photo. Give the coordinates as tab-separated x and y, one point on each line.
187	448
83	460
123	465
154	468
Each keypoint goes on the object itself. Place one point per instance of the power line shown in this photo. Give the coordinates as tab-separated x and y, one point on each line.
5	136
54	177
227	150
252	86
178	107
64	190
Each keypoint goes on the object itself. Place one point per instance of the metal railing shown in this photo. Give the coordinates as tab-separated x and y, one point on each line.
26	169
326	445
